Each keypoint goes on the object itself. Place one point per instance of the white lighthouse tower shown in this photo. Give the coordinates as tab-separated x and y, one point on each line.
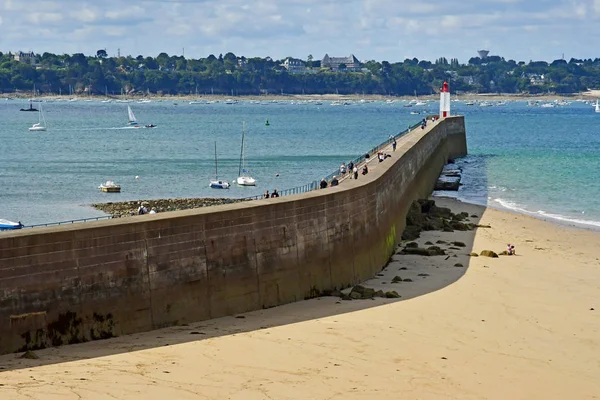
445	101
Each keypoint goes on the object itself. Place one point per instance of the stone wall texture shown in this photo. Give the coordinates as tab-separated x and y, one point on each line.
95	280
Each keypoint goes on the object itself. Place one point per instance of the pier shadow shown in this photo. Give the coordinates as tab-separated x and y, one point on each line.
421	275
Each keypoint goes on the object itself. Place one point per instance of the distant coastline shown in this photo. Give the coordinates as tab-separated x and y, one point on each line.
316	97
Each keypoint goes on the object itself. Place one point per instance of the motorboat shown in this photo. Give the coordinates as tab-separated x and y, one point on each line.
218	183
110	187
150	126
6	225
243	178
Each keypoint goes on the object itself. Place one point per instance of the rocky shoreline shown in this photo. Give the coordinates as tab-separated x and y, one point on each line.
130	208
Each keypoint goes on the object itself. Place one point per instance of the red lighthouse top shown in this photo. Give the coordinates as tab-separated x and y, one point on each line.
445	88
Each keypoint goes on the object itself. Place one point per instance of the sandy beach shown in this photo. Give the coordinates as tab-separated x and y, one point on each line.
514	327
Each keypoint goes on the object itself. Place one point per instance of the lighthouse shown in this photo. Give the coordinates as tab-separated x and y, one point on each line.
445	101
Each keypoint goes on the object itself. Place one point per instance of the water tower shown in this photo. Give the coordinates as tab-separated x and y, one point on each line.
483	54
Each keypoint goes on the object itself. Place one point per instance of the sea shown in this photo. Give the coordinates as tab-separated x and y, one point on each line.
541	161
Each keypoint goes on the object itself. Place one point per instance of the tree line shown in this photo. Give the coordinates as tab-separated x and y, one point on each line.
234	75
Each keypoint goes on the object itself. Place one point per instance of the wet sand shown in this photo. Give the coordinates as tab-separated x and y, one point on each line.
514	327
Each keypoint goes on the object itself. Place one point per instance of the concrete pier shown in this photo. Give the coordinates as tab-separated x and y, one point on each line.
69	284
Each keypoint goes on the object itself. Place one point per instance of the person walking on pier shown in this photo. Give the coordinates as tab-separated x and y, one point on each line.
350	167
355	171
394	145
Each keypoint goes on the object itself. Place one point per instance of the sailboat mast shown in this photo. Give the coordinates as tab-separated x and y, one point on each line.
216	171
242	149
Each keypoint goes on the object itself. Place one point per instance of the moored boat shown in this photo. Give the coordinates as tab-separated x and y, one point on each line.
110	187
9	225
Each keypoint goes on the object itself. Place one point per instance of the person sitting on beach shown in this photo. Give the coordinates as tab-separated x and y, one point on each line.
512	250
365	170
142	210
509	249
380	156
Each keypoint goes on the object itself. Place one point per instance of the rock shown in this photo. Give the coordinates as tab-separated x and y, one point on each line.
503	253
345	296
433	224
459	226
402	269
474	254
451	183
442	212
458	217
355	296
392	294
459	265
441	242
482	226
30	355
426	205
423	275
411	232
428	243
459	244
412	245
361	292
474	216
435	251
488	253
396	279
379	293
407	280
368	293
418	251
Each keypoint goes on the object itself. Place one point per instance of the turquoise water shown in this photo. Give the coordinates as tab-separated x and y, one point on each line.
531	159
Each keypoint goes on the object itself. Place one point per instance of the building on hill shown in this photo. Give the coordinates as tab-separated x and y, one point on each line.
28	58
294	66
351	63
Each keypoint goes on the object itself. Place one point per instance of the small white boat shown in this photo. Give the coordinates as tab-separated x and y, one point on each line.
243	179
218	183
9	225
41	125
597	107
132	120
110	187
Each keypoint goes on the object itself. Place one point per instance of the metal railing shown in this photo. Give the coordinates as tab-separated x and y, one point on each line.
314	185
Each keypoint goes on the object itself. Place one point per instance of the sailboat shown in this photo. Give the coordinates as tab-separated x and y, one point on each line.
597	106
132	120
41	125
217	183
243	179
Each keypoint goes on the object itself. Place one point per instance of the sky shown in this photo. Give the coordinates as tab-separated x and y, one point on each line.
390	30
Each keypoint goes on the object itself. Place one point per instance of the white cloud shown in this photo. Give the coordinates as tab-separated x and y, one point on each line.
371	29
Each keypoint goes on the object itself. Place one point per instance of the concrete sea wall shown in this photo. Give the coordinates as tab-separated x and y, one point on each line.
70	284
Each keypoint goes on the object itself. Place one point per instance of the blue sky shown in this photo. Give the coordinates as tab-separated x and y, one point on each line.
389	30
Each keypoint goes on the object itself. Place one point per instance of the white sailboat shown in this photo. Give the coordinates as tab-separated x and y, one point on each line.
597	106
132	120
243	178
41	125
218	183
